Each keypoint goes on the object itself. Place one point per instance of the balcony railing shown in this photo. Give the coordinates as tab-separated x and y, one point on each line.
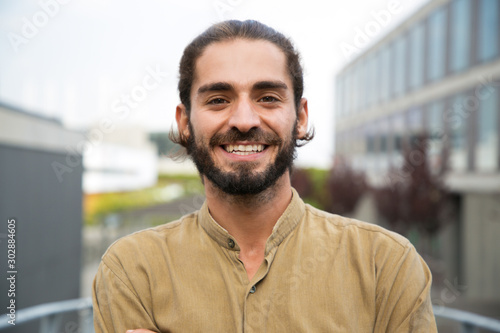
51	315
470	322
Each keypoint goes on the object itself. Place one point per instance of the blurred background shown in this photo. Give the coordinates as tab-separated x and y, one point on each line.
404	97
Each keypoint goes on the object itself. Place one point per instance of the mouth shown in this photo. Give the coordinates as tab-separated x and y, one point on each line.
244	149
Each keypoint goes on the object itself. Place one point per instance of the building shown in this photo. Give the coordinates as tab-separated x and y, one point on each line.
120	159
41	189
436	73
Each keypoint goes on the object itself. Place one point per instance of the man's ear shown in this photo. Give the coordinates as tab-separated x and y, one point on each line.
302	118
182	119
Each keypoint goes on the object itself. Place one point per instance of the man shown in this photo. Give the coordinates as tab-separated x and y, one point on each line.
255	258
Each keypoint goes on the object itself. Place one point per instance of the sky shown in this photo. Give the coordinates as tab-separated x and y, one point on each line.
94	62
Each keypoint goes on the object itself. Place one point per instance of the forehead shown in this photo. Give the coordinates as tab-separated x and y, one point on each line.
241	62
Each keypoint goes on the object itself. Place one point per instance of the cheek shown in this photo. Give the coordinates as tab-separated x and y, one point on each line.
206	125
199	129
282	125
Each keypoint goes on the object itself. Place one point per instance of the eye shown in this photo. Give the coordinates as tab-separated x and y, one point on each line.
268	99
216	101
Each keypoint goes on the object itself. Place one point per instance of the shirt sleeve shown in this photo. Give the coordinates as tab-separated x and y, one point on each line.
116	305
403	295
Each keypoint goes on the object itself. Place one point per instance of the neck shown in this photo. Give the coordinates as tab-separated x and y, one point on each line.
249	218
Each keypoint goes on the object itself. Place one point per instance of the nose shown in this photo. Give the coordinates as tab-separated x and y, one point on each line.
244	117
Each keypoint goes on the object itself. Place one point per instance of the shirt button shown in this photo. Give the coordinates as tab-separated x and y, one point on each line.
252	290
230	242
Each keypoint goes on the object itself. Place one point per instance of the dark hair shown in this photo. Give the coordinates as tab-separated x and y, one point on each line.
231	30
234	29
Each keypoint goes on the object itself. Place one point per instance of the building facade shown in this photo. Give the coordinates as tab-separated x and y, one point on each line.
41	190
122	159
438	74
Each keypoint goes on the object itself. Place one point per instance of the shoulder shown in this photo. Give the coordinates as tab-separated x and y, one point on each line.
365	246
144	241
353	230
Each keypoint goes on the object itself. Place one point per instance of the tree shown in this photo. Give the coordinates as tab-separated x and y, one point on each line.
301	181
414	196
345	187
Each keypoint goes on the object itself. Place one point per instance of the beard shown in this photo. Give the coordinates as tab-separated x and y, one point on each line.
243	180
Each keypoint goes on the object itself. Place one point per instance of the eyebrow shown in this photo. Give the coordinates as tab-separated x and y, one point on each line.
270	85
224	86
217	86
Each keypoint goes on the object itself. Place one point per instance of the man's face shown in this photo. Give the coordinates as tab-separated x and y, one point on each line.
243	122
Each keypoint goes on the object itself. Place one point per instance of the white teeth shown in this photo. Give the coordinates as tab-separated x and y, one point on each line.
243	149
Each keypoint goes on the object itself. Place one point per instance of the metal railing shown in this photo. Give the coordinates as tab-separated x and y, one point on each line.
470	322
51	315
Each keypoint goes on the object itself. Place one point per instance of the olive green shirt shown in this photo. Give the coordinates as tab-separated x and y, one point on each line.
321	273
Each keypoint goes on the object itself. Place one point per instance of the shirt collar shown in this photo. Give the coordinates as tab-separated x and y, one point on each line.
283	227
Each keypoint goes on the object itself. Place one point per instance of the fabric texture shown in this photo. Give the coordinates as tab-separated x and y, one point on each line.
321	273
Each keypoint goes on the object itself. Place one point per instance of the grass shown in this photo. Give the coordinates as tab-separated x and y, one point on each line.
167	188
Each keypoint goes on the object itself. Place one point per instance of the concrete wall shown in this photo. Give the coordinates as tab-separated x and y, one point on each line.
47	210
481	229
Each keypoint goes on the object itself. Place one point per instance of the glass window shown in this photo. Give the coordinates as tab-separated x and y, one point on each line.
338	96
416	56
435	124
382	162
348	92
362	84
435	134
370	87
458	134
372	146
460	35
370	138
399	66
375	76
383	129
487	140
385	73
397	123
414	123
358	150
488	29
437	44
392	70
355	89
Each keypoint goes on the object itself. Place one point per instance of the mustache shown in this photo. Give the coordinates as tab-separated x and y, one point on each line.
254	134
